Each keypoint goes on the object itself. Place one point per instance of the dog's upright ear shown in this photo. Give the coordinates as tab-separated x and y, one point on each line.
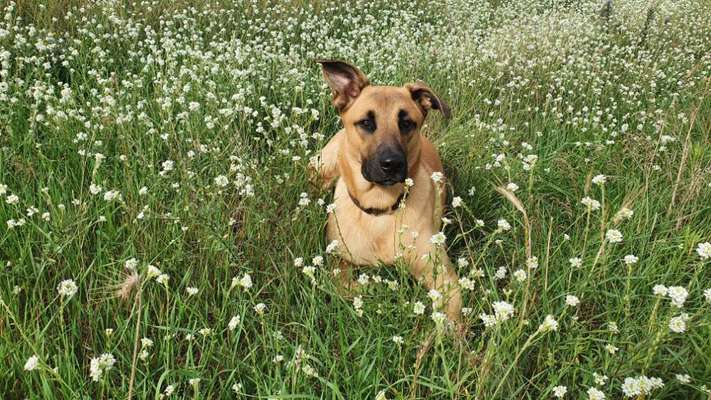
345	80
426	98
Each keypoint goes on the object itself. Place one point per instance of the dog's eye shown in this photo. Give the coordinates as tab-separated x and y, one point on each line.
406	125
367	124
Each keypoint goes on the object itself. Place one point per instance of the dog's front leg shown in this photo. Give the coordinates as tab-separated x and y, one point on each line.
433	267
324	166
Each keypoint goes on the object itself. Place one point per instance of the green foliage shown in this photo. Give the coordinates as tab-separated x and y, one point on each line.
176	135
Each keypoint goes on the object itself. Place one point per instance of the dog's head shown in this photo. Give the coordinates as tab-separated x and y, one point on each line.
382	123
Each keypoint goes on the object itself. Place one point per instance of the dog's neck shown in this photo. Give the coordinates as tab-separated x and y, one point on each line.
377	211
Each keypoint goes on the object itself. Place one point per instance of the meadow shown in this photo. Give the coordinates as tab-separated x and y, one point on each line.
160	237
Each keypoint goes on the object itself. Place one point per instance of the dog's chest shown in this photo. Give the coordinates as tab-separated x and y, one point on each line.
366	239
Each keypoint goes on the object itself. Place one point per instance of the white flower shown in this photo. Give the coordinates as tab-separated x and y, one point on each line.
503	225
611	348
434	295
631	387
438	317
192	291
381	395
233	322
704	250
332	246
67	288
304	199
194	381
409	182
520	275
12	199
548	324
576	262
512	187
330	208
146	343
595	394
163	279
641	385
169	390
560	391
205	332
599	379
613	327
418	308
94	189
152	272
571	300
221	181
488	320
457	202
437	177
143	191
683	378
532	262
438	239
317	261
398	340
298	262
678	295
100	365
260	308
358	305
245	281
599	179
707	295
310	271
31	363
462	262
631	259
613	236
363	279
112	195
624	213
678	323
167	165
502	310
500	273
130	264
466	283
660	290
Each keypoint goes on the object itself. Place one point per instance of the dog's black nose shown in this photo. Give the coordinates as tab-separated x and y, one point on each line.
392	163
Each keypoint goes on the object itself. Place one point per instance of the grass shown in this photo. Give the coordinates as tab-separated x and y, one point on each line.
95	101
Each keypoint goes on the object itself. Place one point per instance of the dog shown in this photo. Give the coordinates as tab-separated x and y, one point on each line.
387	203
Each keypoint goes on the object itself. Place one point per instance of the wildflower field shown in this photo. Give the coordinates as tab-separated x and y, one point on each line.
160	237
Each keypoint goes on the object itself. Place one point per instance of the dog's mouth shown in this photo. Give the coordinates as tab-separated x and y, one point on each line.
389	182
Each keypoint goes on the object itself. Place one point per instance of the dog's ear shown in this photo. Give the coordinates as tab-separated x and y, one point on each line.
427	99
345	80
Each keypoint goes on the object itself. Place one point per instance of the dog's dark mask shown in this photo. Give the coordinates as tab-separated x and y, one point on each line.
387	166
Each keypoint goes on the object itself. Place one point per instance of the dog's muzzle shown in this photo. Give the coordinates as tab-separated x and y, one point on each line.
386	167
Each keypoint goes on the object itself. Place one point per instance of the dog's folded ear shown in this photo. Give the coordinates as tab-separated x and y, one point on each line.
426	98
345	80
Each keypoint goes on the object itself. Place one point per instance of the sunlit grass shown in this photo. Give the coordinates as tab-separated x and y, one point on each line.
155	206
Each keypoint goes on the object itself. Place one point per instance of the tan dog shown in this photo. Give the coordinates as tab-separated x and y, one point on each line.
377	218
